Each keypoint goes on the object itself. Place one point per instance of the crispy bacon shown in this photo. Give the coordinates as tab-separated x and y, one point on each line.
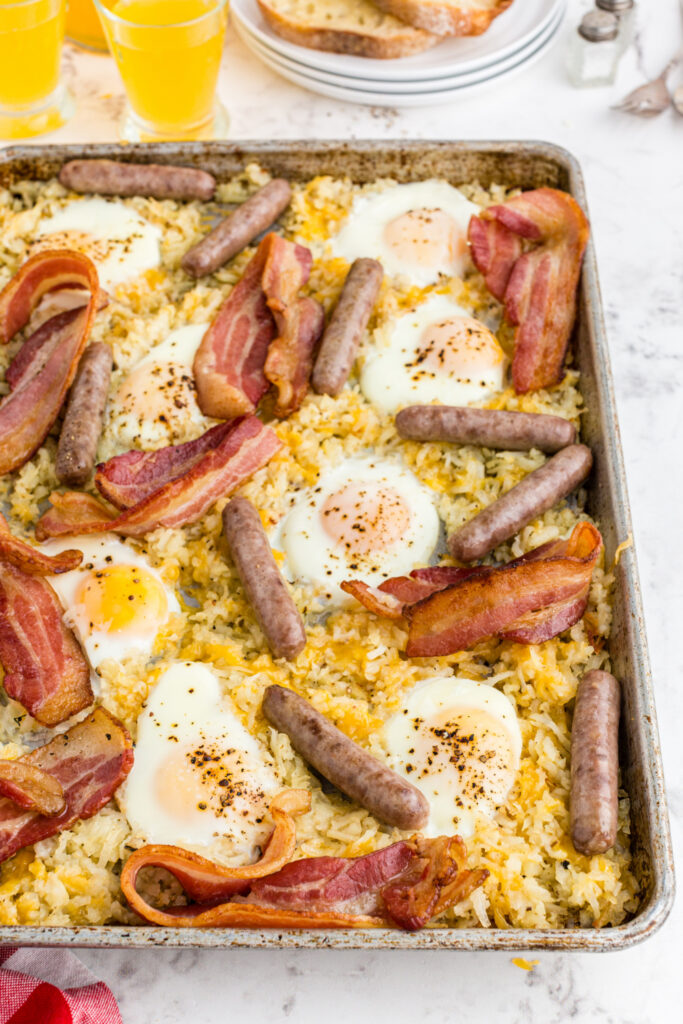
207	882
500	601
45	668
90	762
125	480
376	600
229	364
31	788
538	286
44	272
529	600
290	357
405	884
56	311
24	556
24	361
41	378
211	470
392	596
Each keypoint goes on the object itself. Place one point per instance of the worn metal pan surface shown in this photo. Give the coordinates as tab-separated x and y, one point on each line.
527	165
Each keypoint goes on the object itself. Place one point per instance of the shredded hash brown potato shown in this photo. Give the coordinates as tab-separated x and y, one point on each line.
351	669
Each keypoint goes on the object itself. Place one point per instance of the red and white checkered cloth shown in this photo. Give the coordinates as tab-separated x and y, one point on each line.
51	986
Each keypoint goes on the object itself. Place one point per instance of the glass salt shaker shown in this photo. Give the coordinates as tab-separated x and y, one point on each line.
594	50
625	11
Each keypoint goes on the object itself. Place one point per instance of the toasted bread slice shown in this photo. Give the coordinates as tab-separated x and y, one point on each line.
446	17
345	26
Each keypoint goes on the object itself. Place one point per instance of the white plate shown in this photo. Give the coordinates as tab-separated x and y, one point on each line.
392	99
346	82
513	29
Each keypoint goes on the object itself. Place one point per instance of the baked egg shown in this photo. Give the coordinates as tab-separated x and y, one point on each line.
459	742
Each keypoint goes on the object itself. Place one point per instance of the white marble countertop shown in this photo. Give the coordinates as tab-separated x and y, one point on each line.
634	174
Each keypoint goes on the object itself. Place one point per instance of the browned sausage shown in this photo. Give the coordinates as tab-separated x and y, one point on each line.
238	229
534	495
345	329
350	768
160	181
84	416
595	763
492	428
266	590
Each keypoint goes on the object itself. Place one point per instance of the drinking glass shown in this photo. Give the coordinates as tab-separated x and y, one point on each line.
83	25
168	53
32	99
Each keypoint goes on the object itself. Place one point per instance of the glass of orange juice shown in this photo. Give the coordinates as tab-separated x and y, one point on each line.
32	98
83	25
168	53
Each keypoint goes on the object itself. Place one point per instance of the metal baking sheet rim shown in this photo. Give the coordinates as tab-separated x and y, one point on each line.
31	160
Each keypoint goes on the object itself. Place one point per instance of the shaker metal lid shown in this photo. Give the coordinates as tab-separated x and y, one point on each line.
598	26
616	6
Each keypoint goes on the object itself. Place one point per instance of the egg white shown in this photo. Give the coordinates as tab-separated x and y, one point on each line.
418	230
436	352
151	605
315	557
198	775
459	742
156	403
121	243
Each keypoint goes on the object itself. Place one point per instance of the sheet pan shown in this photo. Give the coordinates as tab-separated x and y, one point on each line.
528	165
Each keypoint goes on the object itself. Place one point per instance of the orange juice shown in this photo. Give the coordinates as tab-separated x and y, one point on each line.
31	35
168	53
83	25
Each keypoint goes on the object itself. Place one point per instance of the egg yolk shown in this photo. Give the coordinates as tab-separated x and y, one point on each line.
203	779
428	238
158	392
123	598
363	518
470	750
459	346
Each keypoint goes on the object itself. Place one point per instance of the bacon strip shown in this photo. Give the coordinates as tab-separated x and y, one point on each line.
23	363
290	357
404	885
229	364
90	762
41	379
392	596
125	480
207	882
529	600
44	272
56	311
31	788
238	450
45	668
23	556
538	287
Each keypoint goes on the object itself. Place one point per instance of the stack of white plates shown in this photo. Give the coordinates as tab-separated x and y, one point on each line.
447	72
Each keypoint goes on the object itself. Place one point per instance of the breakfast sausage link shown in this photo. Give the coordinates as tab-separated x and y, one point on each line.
345	329
534	495
238	229
158	181
84	415
350	768
595	764
267	592
492	428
